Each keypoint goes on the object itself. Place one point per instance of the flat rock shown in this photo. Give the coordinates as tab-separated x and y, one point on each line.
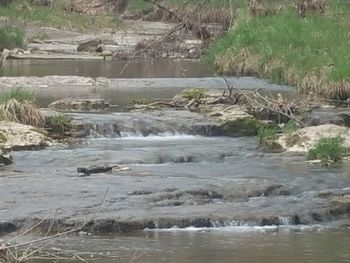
19	136
308	136
80	104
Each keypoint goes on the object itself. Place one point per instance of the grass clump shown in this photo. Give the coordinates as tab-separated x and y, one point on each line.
195	93
11	37
266	135
310	53
19	106
327	150
59	123
18	94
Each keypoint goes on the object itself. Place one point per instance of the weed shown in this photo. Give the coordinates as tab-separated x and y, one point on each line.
327	150
266	135
195	93
59	123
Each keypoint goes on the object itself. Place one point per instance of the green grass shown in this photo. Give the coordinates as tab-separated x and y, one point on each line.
311	53
59	123
10	37
327	150
18	94
195	93
266	135
56	16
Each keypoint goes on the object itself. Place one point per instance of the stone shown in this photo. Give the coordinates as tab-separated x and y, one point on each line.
27	52
5	157
80	104
308	136
19	136
89	46
107	53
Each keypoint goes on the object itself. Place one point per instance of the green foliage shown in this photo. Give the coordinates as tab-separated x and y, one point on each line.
266	135
59	123
327	150
10	37
18	94
195	93
285	48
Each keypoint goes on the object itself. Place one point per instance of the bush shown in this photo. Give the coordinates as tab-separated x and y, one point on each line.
327	150
11	37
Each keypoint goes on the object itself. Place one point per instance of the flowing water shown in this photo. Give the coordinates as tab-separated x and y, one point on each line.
189	196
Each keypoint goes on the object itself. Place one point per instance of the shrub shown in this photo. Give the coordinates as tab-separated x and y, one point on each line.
327	150
195	93
10	37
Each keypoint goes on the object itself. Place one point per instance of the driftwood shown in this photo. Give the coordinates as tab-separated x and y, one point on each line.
258	104
83	171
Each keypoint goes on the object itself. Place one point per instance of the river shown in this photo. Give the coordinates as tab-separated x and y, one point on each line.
185	197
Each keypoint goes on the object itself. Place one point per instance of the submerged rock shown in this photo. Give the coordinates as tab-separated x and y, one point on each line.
80	104
19	136
303	139
5	157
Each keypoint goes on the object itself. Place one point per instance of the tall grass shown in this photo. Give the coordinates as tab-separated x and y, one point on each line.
19	106
58	15
10	37
311	53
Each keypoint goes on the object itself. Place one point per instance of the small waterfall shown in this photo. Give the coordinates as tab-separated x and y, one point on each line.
235	223
286	220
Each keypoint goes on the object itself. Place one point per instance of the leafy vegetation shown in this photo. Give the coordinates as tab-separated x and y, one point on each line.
58	15
10	37
310	53
19	106
327	150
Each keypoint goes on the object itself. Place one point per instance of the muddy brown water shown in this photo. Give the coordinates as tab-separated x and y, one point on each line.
178	177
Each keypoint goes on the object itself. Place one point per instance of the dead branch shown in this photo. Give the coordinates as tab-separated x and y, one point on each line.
6	249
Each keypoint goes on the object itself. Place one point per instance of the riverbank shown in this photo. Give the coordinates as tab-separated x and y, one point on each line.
308	52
